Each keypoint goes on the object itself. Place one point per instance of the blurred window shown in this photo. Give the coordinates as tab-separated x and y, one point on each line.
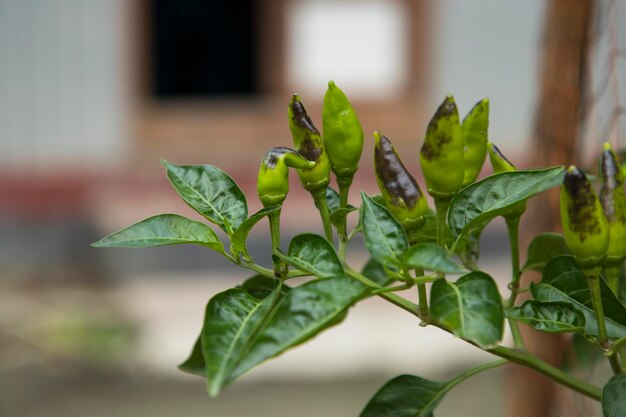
203	47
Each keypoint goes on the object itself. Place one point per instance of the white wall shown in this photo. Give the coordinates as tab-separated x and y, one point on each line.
61	92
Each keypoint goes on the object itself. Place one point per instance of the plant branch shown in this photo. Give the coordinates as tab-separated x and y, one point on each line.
527	359
344	191
322	206
395	299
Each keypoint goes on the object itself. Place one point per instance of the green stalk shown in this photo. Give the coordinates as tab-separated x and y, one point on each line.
612	278
512	224
423	311
280	267
441	207
344	184
593	281
395	299
322	206
527	359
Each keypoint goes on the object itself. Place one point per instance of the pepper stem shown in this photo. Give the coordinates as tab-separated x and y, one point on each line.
512	224
319	197
344	184
422	309
611	273
593	281
441	206
280	267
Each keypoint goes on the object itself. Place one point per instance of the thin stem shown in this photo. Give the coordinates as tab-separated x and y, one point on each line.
474	371
611	273
512	224
527	359
391	289
395	299
615	347
593	281
422	297
344	191
280	267
518	342
441	207
322	206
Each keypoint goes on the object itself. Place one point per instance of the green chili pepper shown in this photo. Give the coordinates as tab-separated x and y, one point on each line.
343	134
614	205
401	193
499	162
273	178
475	128
585	227
309	144
441	155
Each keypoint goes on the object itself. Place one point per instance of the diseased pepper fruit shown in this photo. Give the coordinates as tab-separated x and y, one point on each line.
343	134
441	156
273	179
499	162
308	143
614	204
585	227
401	194
475	128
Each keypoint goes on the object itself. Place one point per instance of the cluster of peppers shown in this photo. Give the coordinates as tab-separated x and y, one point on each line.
451	157
595	228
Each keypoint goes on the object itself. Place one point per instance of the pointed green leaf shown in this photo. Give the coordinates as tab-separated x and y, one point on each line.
497	195
385	237
549	317
406	396
543	248
194	364
211	192
231	320
337	214
376	272
564	280
164	229
412	396
471	308
314	254
332	199
238	239
303	313
431	257
614	397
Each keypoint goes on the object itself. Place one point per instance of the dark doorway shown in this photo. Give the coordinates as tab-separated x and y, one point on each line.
203	48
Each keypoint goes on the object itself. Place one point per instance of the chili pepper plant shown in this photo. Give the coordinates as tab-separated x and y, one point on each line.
433	249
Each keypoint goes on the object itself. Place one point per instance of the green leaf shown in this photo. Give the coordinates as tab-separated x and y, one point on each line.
337	214
164	229
194	364
431	257
231	320
314	254
375	271
211	192
614	397
239	237
543	248
497	195
303	313
550	317
406	396
471	308
564	280
385	237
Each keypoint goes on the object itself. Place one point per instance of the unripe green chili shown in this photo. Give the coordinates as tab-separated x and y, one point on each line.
401	193
585	227
308	142
343	134
499	162
475	128
273	178
614	204
441	156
